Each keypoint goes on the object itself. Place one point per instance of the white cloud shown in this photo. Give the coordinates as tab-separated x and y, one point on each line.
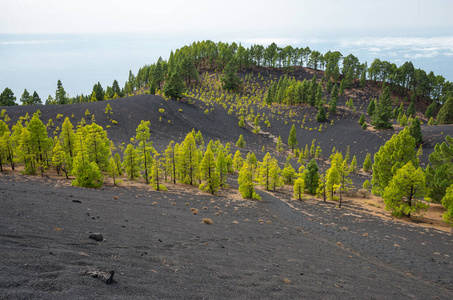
408	47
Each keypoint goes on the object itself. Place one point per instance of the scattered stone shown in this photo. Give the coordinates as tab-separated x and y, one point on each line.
352	193
87	213
364	193
97	237
106	277
76	201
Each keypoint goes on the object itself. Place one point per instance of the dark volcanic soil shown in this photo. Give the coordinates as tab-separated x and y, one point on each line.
159	249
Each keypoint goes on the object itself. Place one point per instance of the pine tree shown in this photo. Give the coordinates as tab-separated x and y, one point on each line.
174	86
346	157
60	94
429	113
445	115
274	175
156	173
4	137
367	163
366	185
362	120
238	161
39	142
113	170
312	91
108	111
363	79
447	202
402	120
222	168
190	159
439	172
25	150
292	140
416	131
87	175
318	152
405	190
371	108
333	176
411	109
301	158
26	98
383	111
145	148
256	123
131	162
119	164
59	158
299	188
288	173
342	87
230	81
240	143
321	115
208	172
311	177
67	137
245	180
353	166
279	144
345	181
14	142
333	103
98	145
7	98
170	162
86	172
264	172
396	152
241	122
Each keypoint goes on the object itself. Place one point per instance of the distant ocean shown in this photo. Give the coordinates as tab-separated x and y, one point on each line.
37	62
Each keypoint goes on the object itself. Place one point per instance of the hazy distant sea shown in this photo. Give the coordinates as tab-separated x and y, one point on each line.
36	62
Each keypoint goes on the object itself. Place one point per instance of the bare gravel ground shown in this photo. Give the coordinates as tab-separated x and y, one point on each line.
159	248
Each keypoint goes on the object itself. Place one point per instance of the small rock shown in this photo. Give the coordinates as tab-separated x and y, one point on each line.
76	201
97	237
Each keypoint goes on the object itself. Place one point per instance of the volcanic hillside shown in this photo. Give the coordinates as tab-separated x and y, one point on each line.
206	109
188	244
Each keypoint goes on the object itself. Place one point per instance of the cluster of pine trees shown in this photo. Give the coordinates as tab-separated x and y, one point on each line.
403	184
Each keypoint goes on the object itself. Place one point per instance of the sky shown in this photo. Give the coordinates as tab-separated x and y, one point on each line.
261	18
126	34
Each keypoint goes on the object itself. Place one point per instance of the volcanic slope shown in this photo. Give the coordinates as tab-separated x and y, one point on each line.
160	248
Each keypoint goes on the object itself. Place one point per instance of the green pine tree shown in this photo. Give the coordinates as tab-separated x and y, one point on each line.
383	111
445	115
131	162
311	177
405	191
299	188
292	140
396	152
241	142
447	202
245	180
416	131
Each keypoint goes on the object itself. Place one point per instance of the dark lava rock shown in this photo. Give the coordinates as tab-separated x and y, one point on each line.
97	237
